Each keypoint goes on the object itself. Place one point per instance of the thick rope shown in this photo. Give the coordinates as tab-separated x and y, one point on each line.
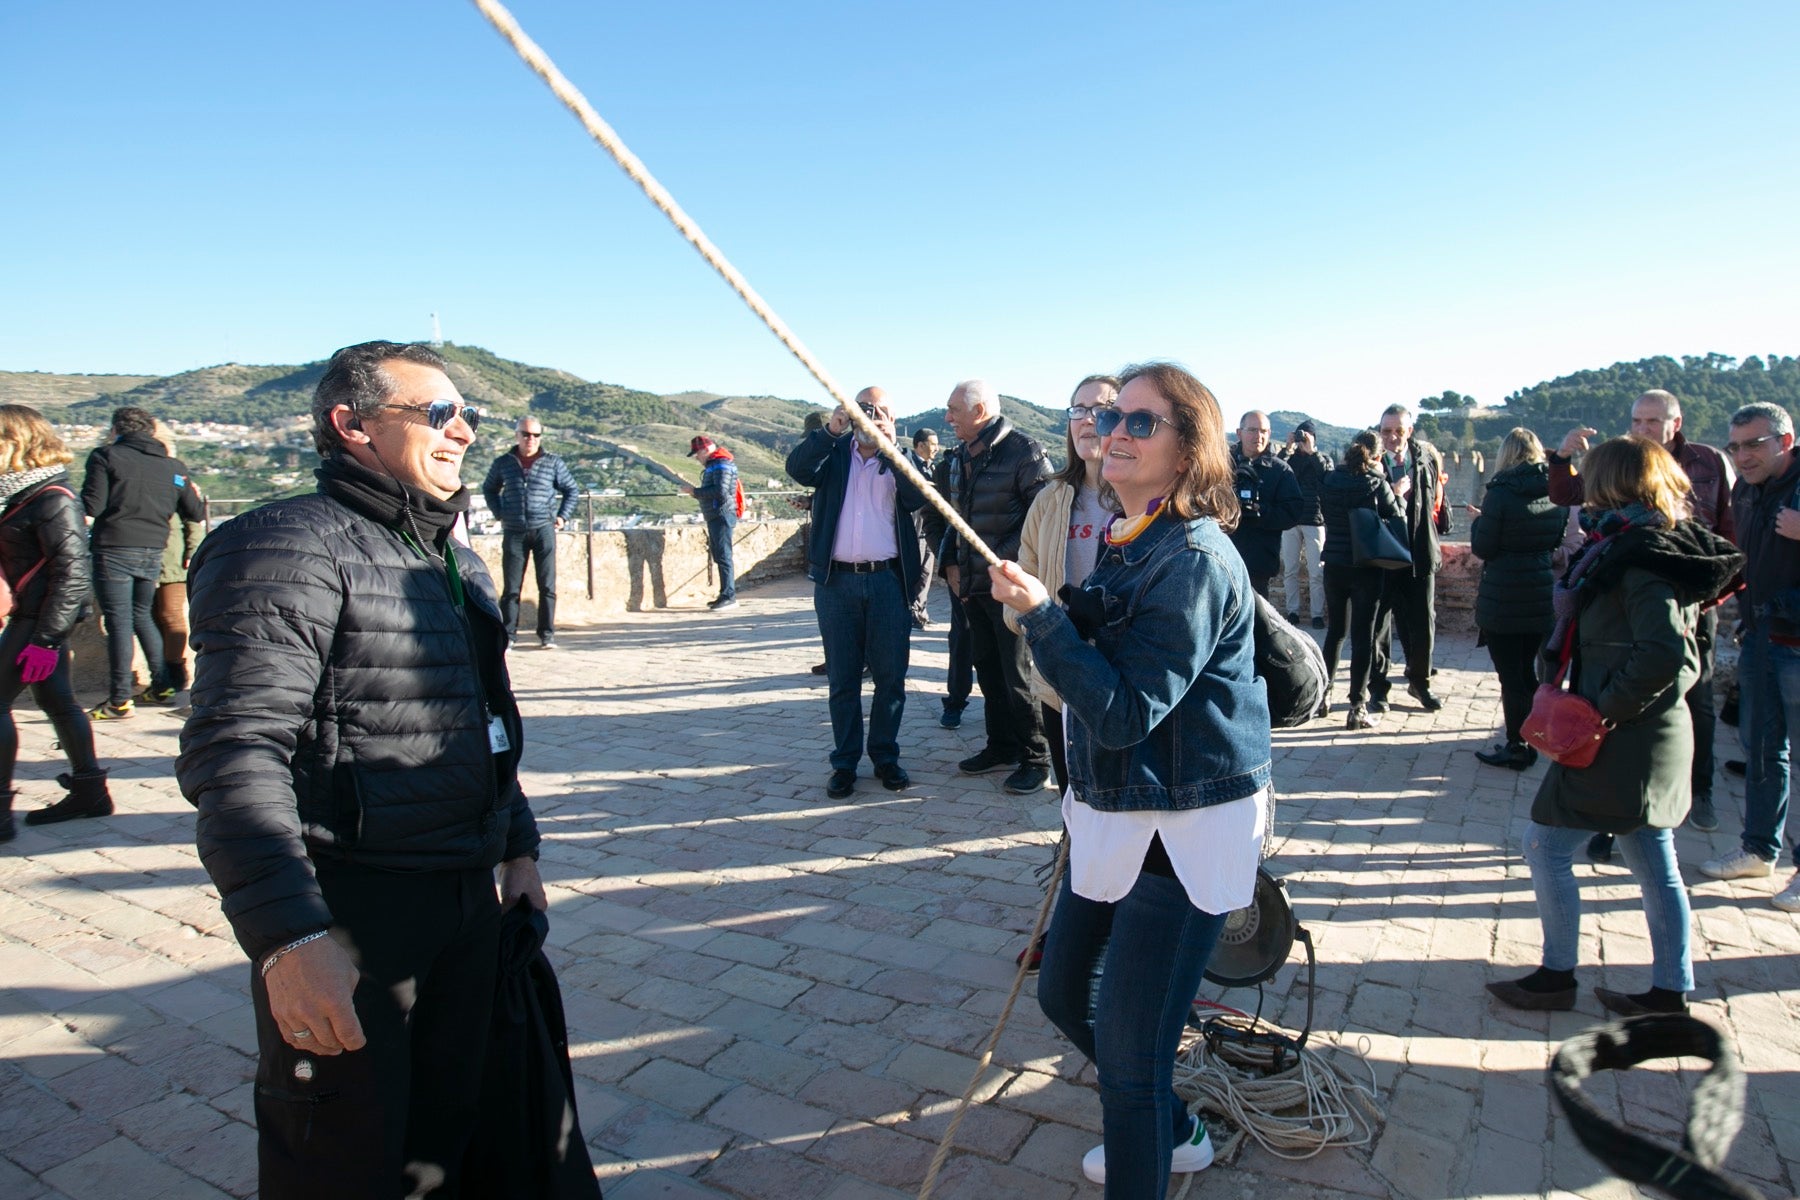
987	1055
601	132
1294	1113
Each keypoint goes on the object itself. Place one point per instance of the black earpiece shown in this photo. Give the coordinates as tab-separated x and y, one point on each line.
353	422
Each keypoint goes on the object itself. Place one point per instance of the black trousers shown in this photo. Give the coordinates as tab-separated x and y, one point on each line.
1515	662
1409	611
1702	707
393	1118
540	544
55	696
1014	727
1352	601
1059	753
960	679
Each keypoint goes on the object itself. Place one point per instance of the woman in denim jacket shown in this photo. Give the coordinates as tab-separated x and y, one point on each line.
1168	752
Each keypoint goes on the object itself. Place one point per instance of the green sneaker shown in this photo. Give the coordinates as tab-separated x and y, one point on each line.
112	712
159	697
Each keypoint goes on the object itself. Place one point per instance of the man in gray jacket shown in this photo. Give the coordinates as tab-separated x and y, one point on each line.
353	753
534	495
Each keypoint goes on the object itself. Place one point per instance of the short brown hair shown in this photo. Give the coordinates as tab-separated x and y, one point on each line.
1204	486
27	441
1635	470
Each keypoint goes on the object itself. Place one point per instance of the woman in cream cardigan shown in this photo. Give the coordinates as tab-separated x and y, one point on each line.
1063	532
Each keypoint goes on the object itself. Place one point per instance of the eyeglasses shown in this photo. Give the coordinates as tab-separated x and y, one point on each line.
1751	444
1085	412
1139	422
440	413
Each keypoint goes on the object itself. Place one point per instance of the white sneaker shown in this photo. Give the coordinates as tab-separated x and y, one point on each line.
1195	1154
1788	898
1739	864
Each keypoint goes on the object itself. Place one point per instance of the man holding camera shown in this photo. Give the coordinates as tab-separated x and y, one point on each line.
1269	501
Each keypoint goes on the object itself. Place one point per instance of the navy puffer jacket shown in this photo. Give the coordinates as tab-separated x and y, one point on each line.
525	499
340	712
1514	536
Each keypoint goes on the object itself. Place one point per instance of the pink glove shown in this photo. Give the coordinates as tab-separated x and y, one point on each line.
36	663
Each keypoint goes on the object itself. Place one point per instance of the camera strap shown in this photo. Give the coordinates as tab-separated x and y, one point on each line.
1715	1114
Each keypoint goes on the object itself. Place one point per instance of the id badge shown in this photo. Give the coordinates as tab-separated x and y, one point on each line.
498	742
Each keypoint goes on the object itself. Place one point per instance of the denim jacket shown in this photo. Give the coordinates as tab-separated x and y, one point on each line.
1169	713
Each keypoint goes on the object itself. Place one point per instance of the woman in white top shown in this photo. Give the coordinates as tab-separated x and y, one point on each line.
1168	759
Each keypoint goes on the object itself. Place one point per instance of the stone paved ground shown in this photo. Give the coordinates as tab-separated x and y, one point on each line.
774	997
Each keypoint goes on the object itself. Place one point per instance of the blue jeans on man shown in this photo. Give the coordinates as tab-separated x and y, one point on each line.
718	544
1769	712
125	582
540	543
863	620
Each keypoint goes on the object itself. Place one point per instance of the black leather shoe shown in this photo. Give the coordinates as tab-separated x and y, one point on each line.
1514	757
893	776
841	784
1427	701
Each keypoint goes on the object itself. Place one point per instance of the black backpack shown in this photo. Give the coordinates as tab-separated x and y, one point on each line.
1292	666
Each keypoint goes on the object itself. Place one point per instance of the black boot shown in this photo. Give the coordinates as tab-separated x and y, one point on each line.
8	830
87	797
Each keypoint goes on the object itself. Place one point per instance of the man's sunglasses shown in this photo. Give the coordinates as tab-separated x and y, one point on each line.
1139	422
440	413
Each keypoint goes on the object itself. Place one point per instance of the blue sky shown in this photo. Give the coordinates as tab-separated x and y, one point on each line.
1316	206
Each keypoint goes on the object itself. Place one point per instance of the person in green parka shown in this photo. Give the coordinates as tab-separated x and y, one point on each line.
1632	596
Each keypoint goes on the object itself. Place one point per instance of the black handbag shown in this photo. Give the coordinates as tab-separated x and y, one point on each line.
1377	541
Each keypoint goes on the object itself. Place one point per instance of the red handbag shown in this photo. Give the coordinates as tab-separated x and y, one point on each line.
1563	726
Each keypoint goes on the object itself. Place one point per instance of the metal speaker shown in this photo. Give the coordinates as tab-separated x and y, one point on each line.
1257	938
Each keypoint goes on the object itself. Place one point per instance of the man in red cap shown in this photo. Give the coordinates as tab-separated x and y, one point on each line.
721	499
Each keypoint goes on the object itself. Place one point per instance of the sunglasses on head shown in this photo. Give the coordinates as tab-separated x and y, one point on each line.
440	413
1139	422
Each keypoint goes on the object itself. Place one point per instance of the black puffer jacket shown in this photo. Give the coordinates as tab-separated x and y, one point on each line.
1514	536
993	491
1310	469
43	524
1341	490
339	713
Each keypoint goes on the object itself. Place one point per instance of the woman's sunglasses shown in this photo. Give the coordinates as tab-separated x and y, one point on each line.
440	413
1139	422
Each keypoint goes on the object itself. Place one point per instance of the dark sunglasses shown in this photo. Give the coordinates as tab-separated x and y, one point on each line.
1139	422
440	413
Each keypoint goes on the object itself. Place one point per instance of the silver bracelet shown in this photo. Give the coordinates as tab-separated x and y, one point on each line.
269	962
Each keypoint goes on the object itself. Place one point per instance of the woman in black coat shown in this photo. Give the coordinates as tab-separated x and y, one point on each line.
44	555
1353	593
1516	532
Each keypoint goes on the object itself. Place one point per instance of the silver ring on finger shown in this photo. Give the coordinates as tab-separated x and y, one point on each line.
300	1034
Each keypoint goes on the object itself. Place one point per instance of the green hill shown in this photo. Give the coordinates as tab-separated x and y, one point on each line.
635	442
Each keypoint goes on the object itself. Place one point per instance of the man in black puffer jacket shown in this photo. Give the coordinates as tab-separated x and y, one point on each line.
993	478
354	754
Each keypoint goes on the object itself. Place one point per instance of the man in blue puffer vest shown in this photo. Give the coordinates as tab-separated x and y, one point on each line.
533	494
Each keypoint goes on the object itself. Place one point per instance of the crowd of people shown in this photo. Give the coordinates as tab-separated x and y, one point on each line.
352	744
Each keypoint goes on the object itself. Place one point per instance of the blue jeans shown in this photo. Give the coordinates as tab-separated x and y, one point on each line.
540	544
1650	853
125	580
1769	702
863	621
718	544
1148	952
